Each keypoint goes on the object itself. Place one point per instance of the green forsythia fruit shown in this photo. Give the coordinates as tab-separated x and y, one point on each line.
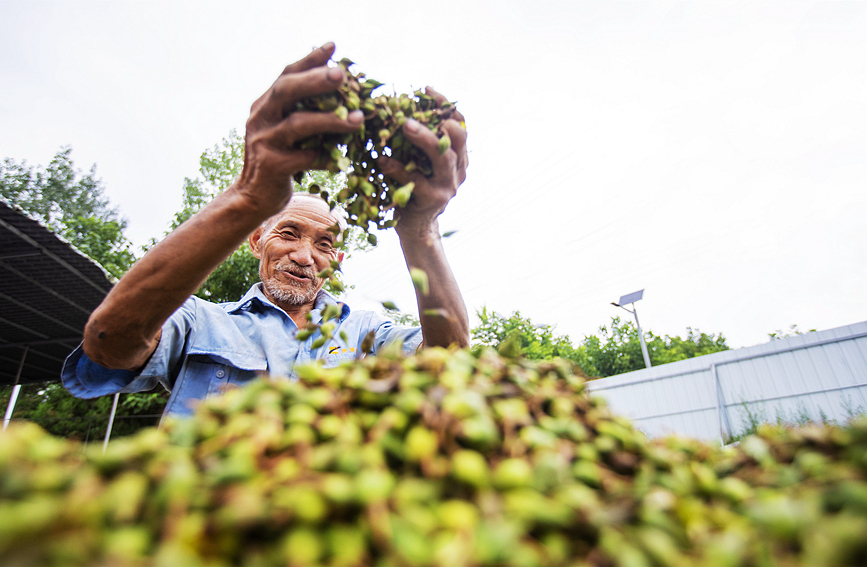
401	195
420	280
443	458
370	193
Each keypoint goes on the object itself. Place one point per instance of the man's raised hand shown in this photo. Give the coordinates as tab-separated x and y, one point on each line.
274	128
430	194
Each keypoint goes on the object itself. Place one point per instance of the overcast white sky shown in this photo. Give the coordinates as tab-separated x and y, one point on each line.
714	154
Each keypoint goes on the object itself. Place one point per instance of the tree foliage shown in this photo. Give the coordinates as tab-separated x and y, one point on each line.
537	342
61	414
614	351
218	168
617	348
73	205
792	331
401	318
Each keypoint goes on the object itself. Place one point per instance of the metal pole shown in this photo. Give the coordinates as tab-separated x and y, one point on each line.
87	436
725	430
14	397
110	421
641	338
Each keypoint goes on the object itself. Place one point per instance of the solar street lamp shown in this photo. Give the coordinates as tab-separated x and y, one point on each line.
630	299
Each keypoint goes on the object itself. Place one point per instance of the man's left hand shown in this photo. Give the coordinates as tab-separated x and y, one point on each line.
430	194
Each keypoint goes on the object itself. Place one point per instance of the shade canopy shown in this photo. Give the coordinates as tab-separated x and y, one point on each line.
47	291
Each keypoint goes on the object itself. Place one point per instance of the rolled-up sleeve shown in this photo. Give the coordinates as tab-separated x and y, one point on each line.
84	378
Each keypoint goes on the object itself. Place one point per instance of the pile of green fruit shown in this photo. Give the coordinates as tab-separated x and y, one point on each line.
445	458
369	195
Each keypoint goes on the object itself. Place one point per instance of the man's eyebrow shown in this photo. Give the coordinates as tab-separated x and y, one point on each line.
320	233
286	223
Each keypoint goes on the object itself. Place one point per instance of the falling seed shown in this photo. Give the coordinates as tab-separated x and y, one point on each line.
368	342
444	144
439	313
303	334
336	284
402	195
420	280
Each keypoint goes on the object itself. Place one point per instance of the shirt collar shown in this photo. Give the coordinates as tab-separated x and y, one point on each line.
255	294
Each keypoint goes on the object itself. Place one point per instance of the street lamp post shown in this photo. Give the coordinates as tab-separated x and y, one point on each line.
630	299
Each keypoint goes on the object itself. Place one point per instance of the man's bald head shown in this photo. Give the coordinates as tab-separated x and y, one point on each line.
268	224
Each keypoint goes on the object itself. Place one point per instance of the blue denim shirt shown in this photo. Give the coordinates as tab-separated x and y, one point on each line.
207	347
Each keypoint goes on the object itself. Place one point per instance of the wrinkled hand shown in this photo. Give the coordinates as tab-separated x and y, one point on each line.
431	194
270	159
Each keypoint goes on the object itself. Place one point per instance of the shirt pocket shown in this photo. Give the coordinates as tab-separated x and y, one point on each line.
224	377
201	378
336	355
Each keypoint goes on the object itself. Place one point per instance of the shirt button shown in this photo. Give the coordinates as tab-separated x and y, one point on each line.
221	373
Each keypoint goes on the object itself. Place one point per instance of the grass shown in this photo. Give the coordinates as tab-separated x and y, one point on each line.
752	419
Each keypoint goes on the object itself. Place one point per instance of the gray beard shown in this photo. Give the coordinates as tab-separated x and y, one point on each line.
288	296
289	293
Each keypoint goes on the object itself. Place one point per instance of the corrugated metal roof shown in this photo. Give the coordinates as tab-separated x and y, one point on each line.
47	291
812	376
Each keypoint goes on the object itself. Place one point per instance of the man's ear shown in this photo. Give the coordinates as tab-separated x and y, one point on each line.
253	241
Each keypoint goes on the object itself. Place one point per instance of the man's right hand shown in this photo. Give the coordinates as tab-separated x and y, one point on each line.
125	329
274	127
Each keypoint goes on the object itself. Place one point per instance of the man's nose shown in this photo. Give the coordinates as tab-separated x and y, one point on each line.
302	254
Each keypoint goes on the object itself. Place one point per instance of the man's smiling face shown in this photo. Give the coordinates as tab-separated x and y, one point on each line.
292	248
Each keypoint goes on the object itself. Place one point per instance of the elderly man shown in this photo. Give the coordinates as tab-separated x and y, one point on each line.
150	330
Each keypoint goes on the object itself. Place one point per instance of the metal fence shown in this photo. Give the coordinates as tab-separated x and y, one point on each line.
94	427
819	376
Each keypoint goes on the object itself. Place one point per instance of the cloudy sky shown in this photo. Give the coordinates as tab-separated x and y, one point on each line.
714	154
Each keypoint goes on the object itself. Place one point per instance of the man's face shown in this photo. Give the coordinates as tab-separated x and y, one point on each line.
293	249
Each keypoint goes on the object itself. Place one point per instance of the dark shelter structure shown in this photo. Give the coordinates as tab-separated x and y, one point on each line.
47	291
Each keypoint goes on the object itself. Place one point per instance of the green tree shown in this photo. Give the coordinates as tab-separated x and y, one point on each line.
614	351
792	331
401	318
537	342
617	349
218	168
61	414
73	205
695	344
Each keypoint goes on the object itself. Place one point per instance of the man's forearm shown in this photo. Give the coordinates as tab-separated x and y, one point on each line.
123	331
442	312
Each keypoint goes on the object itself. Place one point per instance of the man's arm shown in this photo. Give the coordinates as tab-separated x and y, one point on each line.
442	311
124	330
